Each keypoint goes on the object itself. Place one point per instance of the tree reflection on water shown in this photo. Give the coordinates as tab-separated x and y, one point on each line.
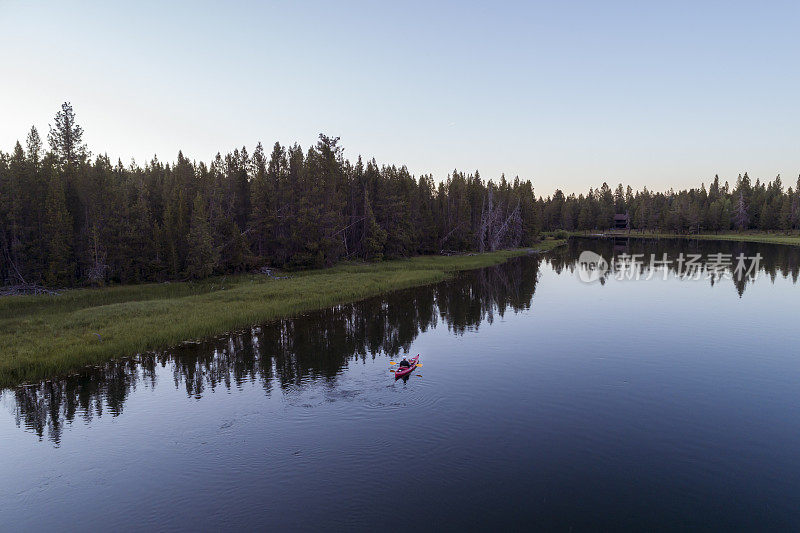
285	353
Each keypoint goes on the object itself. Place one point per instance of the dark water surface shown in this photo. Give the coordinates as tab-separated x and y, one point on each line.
542	402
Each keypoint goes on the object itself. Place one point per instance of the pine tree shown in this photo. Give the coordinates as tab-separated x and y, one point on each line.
66	139
58	233
6	269
795	199
176	228
605	215
374	235
741	218
585	217
569	214
140	252
264	213
619	199
33	144
714	190
785	217
767	219
202	257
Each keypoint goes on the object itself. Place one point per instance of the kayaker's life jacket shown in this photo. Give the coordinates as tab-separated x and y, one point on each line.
405	363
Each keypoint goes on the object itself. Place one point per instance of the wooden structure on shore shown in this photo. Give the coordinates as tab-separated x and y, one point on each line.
622	222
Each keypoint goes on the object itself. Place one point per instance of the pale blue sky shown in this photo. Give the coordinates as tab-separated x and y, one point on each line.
567	94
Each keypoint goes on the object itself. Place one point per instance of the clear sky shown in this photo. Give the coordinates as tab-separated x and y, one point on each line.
568	94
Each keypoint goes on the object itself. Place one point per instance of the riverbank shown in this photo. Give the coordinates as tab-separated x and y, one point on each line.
792	239
43	336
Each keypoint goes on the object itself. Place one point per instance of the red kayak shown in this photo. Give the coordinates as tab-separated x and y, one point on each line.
406	370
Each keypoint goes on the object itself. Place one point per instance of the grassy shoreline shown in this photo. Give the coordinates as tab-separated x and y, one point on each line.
43	336
792	239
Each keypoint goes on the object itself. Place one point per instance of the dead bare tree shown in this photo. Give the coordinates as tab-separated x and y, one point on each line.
487	218
96	273
22	286
496	238
495	224
449	234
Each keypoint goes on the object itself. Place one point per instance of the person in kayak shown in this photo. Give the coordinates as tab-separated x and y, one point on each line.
404	363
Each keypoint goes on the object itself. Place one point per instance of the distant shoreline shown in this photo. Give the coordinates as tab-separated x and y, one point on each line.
792	239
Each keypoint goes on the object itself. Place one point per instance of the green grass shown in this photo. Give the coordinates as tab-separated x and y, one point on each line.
791	239
44	336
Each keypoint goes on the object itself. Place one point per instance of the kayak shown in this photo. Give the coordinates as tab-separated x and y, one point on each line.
404	371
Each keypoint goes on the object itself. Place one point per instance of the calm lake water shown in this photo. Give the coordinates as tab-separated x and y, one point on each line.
543	402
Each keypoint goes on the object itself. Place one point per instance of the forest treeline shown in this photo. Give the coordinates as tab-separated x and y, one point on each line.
67	218
764	206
